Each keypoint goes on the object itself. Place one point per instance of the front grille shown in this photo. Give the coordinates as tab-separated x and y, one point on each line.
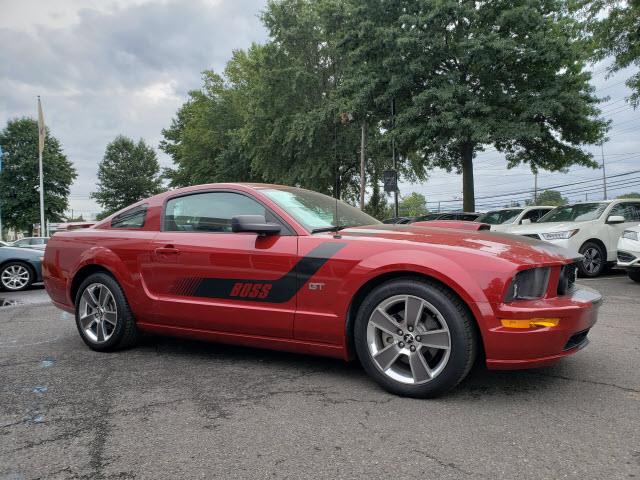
532	235
567	278
625	257
577	340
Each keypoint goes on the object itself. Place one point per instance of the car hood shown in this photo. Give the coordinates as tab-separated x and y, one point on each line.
513	248
547	227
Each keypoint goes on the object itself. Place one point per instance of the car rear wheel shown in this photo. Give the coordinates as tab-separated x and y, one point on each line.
415	338
103	316
16	276
595	260
634	274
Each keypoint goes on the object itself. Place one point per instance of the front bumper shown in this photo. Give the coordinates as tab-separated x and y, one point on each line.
628	253
512	348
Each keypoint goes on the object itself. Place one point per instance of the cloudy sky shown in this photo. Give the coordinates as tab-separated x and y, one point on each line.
106	67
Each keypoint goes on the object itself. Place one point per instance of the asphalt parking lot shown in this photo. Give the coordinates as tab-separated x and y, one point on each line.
173	408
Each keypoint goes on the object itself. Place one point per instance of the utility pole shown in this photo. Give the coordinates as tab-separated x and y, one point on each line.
393	150
438	206
535	189
586	197
362	168
604	173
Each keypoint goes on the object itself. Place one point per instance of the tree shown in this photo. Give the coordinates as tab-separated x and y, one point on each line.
128	172
377	206
19	179
614	26
412	205
629	195
204	139
551	197
466	75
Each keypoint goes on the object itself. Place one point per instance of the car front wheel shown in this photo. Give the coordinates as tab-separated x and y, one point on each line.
103	316
634	274
16	276
595	260
415	337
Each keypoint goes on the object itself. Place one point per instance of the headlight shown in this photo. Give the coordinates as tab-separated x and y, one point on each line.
630	234
560	235
528	284
41	259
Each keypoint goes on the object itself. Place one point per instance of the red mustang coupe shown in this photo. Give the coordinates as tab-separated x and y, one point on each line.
289	269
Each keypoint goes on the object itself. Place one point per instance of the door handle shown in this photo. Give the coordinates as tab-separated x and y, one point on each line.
166	250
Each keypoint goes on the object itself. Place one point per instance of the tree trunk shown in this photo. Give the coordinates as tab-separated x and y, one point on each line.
362	168
468	194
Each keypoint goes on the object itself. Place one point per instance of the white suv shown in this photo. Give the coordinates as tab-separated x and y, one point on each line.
629	252
591	228
506	219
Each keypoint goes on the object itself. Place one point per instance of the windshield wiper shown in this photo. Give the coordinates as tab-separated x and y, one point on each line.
329	229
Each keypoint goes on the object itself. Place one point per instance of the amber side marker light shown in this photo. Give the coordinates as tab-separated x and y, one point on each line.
530	323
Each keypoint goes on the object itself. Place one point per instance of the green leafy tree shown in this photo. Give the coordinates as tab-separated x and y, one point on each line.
412	205
466	75
204	139
20	178
128	172
551	197
614	27
629	195
298	131
378	206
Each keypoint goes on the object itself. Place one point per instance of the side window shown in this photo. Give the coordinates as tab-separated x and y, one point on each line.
22	243
468	218
208	212
625	210
38	241
533	215
447	217
132	218
636	212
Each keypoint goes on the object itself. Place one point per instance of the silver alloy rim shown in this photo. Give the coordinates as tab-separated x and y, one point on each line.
15	277
98	313
408	339
592	260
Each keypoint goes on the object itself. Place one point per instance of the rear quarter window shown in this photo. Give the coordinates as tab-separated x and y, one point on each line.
133	218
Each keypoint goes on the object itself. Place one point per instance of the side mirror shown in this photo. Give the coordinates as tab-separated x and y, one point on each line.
616	219
525	221
254	223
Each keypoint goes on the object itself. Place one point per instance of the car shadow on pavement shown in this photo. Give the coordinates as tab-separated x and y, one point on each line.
480	383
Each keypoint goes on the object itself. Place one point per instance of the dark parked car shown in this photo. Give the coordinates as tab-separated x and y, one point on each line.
462	216
20	267
399	220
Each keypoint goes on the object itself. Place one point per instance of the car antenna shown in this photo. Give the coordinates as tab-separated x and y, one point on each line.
337	235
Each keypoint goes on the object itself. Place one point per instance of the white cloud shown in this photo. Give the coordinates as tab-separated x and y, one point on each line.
114	67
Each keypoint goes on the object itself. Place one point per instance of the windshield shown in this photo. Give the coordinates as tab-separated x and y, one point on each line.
498	217
580	212
315	210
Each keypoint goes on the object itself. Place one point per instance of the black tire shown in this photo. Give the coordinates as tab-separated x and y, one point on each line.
634	274
592	252
125	333
25	267
462	332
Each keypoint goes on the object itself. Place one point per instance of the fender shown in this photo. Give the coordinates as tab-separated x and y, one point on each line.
130	281
432	265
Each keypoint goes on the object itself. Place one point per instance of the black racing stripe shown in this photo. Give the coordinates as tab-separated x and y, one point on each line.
280	291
